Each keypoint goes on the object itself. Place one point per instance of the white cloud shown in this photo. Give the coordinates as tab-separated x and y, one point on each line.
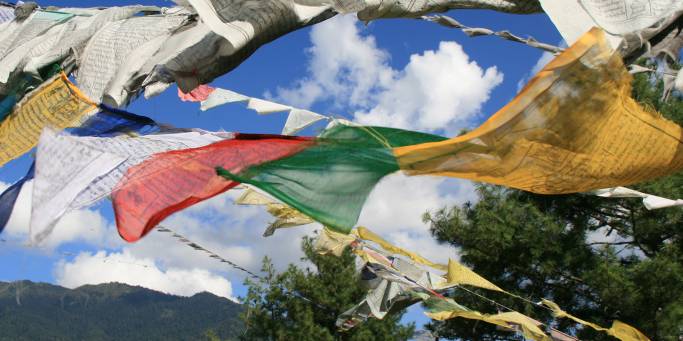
125	268
344	67
86	225
394	210
437	90
440	90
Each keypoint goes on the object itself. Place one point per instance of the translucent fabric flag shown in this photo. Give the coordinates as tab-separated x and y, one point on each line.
460	274
171	181
620	330
118	51
368	235
447	309
284	215
220	97
651	202
6	13
573	128
108	122
331	242
74	172
199	94
299	119
330	179
57	103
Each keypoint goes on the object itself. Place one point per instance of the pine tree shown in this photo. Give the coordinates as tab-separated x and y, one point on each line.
548	247
303	304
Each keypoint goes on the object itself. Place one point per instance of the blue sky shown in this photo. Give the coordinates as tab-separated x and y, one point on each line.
396	87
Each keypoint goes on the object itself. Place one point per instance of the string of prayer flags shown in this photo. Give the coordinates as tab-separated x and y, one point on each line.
129	43
284	215
74	172
477	31
106	123
366	234
573	128
297	120
449	309
222	96
651	202
171	181
57	103
401	279
330	178
620	330
198	247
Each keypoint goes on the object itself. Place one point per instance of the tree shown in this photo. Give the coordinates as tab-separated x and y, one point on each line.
303	304
549	247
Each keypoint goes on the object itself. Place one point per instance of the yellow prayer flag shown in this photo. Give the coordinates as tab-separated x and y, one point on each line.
57	104
285	216
368	235
573	128
623	331
529	327
459	274
331	242
620	330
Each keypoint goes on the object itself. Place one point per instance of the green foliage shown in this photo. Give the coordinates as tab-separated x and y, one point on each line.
554	247
36	311
303	304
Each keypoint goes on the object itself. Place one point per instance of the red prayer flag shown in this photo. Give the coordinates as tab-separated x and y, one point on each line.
171	181
200	93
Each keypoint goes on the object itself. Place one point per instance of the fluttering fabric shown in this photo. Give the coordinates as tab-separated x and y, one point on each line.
23	85
331	178
106	123
198	94
74	172
651	202
6	13
297	119
448	309
284	215
57	103
619	329
54	39
368	235
573	128
171	181
396	283
118	51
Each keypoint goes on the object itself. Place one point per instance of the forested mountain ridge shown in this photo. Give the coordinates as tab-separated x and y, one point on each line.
39	311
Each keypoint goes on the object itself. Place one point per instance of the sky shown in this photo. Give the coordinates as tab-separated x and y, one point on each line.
403	73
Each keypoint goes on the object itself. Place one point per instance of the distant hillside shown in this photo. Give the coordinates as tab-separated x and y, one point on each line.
112	312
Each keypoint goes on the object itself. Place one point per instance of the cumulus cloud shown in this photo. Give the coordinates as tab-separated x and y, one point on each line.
86	225
123	267
439	90
344	67
395	209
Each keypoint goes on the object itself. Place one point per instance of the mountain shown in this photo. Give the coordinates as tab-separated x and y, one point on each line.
39	311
